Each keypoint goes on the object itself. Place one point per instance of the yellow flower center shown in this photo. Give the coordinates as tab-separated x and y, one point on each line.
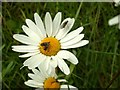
49	46
51	83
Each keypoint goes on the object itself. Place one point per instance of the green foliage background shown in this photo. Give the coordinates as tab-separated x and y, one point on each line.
99	61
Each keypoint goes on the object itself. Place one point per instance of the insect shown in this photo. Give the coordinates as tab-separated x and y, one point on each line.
64	24
45	45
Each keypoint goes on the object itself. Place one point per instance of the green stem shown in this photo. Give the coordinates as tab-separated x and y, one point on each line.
78	11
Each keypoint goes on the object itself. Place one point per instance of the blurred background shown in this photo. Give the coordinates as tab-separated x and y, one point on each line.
99	61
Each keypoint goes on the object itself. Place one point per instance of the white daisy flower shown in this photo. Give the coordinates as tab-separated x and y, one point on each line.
46	44
42	80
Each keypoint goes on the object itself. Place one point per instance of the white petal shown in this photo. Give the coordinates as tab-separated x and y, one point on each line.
64	24
36	77
24	39
39	24
34	28
28	54
62	65
65	87
46	63
34	64
56	23
31	33
72	87
25	48
68	55
62	80
34	61
79	44
46	74
37	72
48	24
53	73
62	32
73	41
72	34
33	83
114	20
53	62
24	51
32	76
42	68
49	70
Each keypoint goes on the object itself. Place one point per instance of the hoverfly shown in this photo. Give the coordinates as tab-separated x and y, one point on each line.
64	24
45	45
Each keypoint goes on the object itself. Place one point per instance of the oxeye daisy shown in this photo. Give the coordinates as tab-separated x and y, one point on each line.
46	43
40	79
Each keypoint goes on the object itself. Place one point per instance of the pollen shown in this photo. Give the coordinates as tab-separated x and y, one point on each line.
51	83
49	46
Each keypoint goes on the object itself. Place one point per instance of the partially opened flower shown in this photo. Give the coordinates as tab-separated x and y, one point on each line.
46	44
117	2
47	81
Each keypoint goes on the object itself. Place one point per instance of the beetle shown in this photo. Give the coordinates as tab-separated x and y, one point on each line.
64	24
45	45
